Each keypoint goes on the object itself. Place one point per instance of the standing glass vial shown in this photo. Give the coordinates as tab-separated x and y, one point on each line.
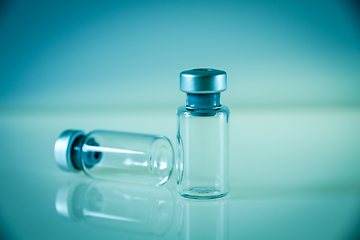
202	164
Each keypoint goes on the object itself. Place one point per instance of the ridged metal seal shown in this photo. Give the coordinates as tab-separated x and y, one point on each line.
62	150
203	81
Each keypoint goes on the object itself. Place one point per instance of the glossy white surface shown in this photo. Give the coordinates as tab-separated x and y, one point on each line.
294	175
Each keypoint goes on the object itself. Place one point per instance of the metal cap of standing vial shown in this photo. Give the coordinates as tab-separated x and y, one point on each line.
203	81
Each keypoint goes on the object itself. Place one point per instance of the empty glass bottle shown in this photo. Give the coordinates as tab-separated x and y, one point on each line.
119	156
202	164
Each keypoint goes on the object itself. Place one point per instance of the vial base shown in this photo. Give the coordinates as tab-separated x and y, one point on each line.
203	193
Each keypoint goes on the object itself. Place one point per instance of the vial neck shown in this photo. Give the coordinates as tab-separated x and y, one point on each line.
76	152
203	101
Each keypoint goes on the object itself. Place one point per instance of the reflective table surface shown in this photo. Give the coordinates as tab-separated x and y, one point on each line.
295	174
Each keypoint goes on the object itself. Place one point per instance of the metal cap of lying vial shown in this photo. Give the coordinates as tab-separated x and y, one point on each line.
63	153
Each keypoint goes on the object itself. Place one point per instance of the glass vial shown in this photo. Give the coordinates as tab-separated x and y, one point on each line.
119	156
202	164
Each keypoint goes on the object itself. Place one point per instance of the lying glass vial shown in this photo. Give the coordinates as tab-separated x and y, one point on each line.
116	156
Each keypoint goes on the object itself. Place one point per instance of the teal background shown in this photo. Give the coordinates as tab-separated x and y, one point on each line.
63	54
293	93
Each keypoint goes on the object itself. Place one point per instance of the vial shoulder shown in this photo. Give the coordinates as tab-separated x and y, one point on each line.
181	110
225	110
189	112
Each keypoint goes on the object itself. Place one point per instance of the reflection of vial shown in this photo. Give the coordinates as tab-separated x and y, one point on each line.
202	219
202	163
120	207
126	157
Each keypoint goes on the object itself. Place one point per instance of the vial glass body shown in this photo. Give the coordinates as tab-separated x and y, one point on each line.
202	162
127	157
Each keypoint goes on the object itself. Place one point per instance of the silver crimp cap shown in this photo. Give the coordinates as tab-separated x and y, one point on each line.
62	150
203	81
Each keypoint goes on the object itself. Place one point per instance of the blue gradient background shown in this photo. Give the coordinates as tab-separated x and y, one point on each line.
293	92
129	53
